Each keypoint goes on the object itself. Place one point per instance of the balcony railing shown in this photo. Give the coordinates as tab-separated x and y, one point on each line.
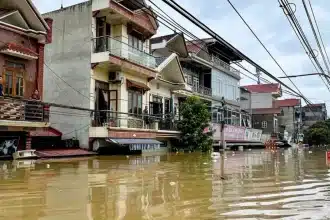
23	110
123	50
113	119
202	90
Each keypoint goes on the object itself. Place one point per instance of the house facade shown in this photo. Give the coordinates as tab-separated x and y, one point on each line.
260	98
289	118
126	86
23	36
313	113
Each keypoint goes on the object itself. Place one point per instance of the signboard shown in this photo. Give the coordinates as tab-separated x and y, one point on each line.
143	147
236	133
233	133
253	134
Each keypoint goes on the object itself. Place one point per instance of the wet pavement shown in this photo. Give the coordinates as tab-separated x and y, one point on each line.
260	184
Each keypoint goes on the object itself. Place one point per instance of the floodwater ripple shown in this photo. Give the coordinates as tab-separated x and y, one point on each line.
260	184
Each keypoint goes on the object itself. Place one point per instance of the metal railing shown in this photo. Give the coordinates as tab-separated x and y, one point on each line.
113	119
23	110
220	63
202	90
123	50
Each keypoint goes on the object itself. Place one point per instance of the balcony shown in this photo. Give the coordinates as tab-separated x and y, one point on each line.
217	62
13	109
202	90
121	50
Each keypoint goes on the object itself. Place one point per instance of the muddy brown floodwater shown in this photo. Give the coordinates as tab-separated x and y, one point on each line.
288	184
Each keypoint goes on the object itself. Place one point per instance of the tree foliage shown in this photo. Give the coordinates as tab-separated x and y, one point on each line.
318	133
195	118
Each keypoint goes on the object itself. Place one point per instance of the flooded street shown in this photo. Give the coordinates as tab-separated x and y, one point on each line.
288	184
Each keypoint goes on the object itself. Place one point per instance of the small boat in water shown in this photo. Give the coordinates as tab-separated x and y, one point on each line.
25	154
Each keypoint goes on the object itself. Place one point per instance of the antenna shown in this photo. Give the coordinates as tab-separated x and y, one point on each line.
61	4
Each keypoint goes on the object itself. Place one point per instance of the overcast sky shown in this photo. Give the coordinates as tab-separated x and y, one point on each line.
268	21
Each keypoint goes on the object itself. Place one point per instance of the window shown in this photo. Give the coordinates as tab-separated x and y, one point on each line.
167	109
13	79
264	124
135	102
190	79
156	106
135	42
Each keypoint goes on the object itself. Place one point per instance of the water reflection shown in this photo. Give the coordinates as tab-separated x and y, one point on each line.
287	184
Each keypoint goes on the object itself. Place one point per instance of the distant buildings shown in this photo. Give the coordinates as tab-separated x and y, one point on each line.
313	113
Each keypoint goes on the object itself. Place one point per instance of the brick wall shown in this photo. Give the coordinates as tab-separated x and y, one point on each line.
7	36
40	69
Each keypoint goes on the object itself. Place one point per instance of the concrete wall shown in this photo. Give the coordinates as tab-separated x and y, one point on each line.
246	103
287	119
224	85
257	123
69	57
261	100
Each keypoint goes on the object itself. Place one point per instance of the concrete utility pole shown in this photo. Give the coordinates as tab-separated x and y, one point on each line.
222	109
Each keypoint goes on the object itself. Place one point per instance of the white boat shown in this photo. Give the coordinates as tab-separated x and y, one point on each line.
25	154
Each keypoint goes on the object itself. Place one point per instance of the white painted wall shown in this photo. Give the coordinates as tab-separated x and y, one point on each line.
261	100
225	85
99	4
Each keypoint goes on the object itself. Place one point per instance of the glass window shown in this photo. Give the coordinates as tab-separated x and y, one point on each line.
135	42
190	79
264	124
9	83
19	85
135	102
15	65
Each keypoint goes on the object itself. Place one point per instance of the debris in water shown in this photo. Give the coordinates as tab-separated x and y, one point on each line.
47	165
127	156
204	163
172	183
310	152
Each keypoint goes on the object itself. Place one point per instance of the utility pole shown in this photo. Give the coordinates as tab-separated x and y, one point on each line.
222	110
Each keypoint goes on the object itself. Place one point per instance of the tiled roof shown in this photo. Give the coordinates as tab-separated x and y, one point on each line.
264	88
266	111
19	48
286	103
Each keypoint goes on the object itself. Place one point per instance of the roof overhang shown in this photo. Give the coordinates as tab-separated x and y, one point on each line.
178	44
29	12
170	69
19	51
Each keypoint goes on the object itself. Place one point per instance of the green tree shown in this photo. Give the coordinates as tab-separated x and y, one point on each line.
195	118
318	133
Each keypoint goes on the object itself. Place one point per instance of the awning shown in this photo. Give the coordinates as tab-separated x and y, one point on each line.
133	141
138	85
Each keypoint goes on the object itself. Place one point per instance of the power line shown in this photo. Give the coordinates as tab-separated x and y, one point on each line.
315	35
317	27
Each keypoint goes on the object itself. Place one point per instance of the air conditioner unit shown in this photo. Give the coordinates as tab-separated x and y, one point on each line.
114	77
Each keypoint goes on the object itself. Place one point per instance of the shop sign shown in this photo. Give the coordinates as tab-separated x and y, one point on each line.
253	134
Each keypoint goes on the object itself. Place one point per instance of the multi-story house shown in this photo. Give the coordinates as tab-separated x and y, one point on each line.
313	113
23	35
264	113
206	76
125	86
289	119
114	76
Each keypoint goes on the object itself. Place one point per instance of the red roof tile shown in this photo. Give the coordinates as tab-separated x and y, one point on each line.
19	48
266	111
264	88
286	103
